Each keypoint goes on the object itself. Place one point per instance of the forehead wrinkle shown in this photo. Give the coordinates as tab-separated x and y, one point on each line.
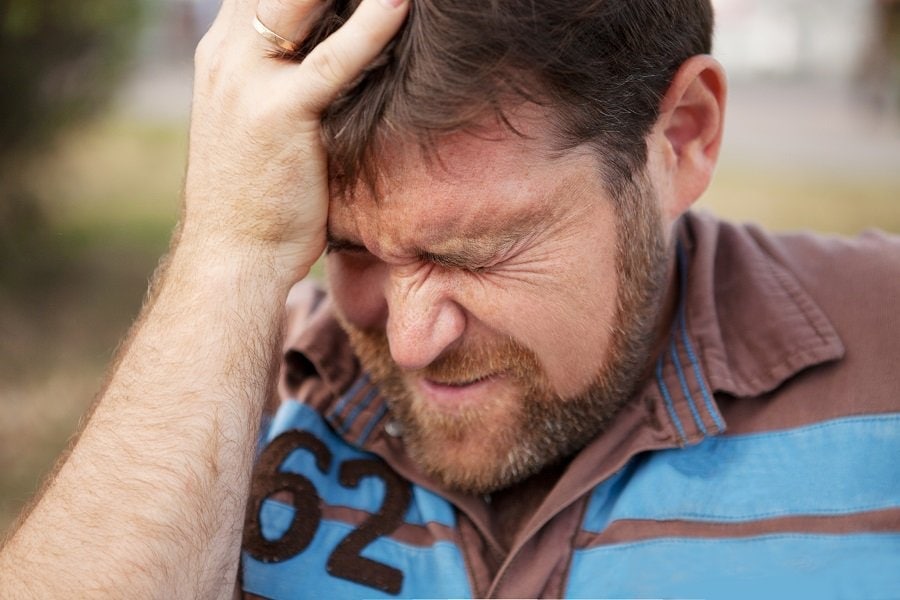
465	238
491	235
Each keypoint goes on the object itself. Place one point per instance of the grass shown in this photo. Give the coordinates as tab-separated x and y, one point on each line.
844	203
112	191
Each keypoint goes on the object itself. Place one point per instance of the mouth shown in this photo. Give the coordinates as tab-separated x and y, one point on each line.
452	395
461	384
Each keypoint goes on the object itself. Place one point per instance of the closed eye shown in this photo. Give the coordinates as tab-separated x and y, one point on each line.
450	261
344	246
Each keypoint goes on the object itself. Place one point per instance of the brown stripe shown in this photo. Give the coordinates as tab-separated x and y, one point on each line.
340	420
367	417
415	535
636	530
794	407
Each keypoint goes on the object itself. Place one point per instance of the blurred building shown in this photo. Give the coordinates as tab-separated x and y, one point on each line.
793	38
754	38
849	46
160	84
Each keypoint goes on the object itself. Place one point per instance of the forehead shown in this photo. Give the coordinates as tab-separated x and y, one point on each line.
470	183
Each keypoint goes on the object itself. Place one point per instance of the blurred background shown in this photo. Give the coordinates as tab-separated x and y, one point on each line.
94	104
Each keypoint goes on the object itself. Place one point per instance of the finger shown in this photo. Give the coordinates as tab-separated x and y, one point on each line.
290	19
337	61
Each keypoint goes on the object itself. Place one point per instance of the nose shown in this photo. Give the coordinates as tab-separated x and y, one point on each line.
423	319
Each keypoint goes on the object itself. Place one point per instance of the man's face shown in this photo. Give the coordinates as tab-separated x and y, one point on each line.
503	302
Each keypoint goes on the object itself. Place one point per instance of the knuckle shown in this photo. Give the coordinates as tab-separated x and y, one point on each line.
205	51
208	65
210	51
326	65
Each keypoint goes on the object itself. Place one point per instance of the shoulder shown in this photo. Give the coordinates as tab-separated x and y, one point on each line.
862	268
853	281
841	273
856	283
774	292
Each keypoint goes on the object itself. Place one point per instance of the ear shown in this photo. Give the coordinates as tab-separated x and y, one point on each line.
685	141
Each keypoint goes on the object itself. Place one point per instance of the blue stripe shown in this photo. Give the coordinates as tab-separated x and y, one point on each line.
372	423
684	387
435	571
707	397
426	507
682	323
783	566
349	395
368	495
670	407
839	467
360	406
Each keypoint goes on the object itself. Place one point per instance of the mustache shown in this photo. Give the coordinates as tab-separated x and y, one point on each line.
467	361
473	360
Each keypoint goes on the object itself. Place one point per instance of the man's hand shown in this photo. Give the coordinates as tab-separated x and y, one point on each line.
258	174
150	502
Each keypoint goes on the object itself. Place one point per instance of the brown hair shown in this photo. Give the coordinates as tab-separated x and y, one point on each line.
602	66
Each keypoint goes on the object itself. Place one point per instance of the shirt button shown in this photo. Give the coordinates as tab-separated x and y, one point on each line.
393	428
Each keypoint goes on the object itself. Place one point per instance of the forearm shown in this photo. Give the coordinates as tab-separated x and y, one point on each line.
151	501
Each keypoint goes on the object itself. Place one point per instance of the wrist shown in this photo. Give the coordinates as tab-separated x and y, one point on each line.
209	259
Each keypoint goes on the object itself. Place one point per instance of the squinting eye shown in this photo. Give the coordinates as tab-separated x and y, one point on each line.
345	248
356	259
449	263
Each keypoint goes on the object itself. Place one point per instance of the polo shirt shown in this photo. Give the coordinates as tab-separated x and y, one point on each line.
761	458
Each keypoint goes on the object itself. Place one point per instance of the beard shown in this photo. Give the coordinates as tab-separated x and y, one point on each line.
527	426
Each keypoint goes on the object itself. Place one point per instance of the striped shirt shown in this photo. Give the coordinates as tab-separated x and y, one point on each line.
759	459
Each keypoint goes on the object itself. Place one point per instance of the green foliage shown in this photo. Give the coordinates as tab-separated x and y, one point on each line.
60	59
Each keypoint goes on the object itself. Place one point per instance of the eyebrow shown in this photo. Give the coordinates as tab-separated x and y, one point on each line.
481	248
485	242
471	253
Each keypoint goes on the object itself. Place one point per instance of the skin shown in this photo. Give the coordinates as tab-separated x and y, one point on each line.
486	293
150	500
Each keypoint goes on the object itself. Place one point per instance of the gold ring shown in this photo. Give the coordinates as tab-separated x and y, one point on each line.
283	43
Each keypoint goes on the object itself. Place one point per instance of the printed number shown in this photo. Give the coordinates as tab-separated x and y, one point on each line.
304	498
345	561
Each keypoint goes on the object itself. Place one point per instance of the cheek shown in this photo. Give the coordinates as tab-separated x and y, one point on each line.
587	301
356	287
563	310
573	330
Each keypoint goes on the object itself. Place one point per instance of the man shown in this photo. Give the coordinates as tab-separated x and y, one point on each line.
534	374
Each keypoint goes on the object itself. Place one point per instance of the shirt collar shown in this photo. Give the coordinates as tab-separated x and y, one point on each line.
743	327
